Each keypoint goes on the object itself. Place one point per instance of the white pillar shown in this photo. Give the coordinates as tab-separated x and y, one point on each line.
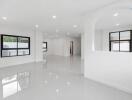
38	46
82	46
89	38
1	91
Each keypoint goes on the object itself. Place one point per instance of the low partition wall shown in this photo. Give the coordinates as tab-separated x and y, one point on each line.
111	68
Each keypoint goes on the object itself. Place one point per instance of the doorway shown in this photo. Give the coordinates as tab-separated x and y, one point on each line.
71	48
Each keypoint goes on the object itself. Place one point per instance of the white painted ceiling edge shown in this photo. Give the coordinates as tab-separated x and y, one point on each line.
107	21
28	13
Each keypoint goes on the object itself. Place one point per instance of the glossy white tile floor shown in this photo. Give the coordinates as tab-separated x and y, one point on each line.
59	78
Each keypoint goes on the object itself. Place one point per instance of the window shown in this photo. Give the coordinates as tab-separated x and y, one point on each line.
45	46
120	41
14	46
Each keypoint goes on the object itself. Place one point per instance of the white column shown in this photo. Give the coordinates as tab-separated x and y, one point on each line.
38	46
89	38
89	33
82	46
1	91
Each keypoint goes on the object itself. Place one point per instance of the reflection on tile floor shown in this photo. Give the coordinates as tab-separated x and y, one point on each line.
57	78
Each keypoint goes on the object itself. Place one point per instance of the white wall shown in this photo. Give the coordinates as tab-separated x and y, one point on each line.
102	37
61	46
55	46
82	46
105	41
99	40
8	61
113	69
106	36
38	46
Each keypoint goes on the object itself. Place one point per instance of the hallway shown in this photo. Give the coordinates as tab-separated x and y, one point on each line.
57	78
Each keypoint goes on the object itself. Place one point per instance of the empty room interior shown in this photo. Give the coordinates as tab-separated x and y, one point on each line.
65	49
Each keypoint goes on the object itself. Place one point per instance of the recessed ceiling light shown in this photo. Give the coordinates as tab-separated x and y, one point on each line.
56	30
56	75
54	17
36	26
4	18
68	83
75	26
50	73
117	24
116	14
45	81
57	90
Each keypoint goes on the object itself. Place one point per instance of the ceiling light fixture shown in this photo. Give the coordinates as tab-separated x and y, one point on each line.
75	26
50	73
54	17
46	82
36	26
57	90
56	30
56	75
4	18
116	14
117	24
68	83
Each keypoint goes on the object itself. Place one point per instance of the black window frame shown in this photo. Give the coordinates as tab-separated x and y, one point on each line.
120	40
17	49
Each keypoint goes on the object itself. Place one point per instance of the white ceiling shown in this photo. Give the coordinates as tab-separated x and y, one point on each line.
124	18
28	13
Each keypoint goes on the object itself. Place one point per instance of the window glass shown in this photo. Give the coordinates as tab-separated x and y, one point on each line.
124	45
114	36
44	45
23	42
9	42
115	46
120	41
44	50
125	35
23	52
6	53
15	45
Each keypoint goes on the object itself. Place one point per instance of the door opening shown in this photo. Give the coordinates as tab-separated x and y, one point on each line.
71	48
